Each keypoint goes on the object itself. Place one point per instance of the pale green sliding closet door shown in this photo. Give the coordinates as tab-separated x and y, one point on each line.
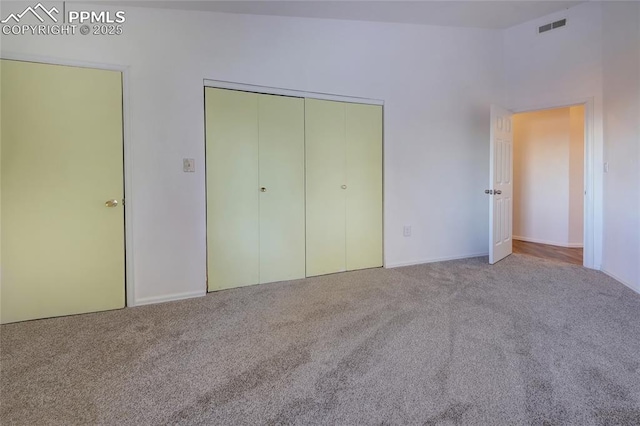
62	160
281	144
344	186
232	188
326	186
255	188
364	186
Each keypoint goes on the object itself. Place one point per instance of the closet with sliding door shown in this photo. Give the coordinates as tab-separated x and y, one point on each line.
294	187
344	186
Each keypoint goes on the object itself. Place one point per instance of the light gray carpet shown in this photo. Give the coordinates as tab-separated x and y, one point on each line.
526	341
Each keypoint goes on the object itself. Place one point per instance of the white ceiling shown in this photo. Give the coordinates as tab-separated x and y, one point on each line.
478	13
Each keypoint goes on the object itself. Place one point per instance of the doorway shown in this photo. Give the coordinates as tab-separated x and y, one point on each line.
548	183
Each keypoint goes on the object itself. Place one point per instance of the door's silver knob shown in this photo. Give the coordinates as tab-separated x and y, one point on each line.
344	187
497	192
488	191
263	189
111	203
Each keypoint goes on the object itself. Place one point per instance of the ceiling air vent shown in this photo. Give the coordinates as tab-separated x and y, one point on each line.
552	26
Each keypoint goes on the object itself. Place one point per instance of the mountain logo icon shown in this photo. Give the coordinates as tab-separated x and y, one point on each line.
38	11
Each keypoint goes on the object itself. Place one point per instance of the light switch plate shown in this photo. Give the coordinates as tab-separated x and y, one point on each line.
189	165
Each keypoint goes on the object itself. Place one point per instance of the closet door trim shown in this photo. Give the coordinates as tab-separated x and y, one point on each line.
289	92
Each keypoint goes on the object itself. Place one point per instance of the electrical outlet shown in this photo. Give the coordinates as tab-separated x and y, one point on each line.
188	165
406	231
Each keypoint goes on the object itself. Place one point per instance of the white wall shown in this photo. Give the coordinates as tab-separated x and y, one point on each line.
540	176
621	71
437	84
561	68
544	180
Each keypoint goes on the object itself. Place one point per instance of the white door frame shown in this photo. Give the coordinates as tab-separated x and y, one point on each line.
127	151
219	84
591	209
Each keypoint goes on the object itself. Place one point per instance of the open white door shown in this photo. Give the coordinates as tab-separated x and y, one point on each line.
501	185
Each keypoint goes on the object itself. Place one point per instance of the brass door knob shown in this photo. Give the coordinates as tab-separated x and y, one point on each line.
111	203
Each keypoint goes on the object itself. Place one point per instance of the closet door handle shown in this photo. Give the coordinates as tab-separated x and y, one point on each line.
263	189
344	187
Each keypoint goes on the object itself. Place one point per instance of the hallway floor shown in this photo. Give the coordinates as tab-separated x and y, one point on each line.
544	251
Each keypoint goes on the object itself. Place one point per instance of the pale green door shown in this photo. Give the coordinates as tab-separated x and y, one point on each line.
364	186
232	188
281	169
255	188
62	248
326	186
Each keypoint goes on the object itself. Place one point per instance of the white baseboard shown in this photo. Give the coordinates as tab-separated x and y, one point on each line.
433	260
621	281
549	243
169	298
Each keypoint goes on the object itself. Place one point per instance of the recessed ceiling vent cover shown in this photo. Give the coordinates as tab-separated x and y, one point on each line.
552	26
